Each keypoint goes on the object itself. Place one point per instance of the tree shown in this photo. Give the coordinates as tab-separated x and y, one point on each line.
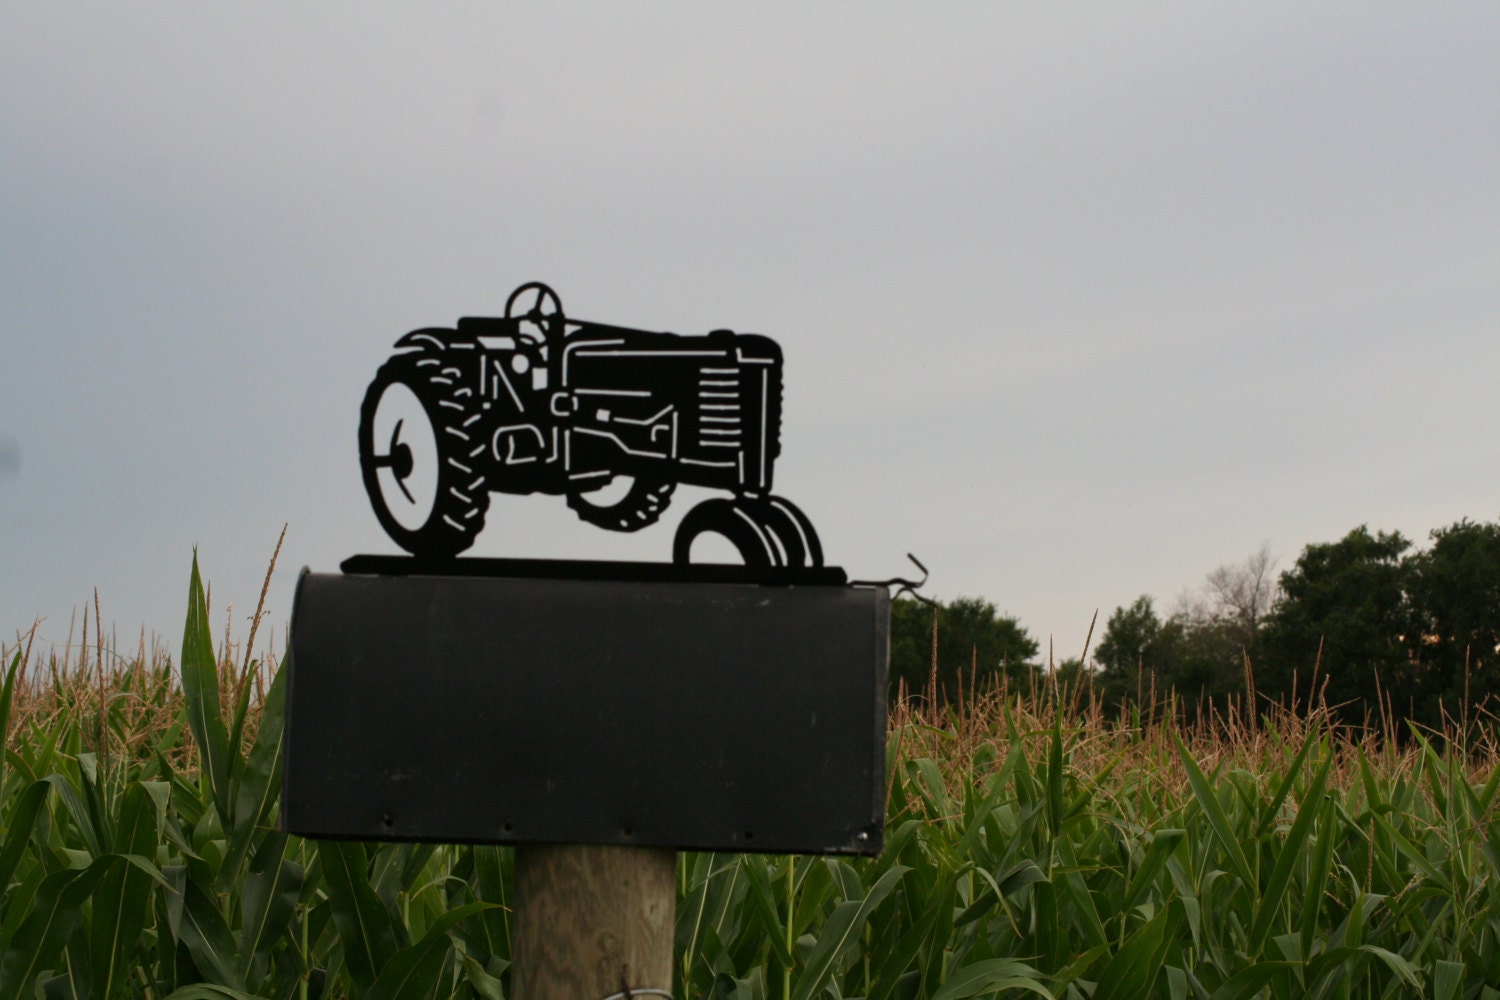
976	646
1241	595
1129	654
1344	614
1195	655
1218	628
1454	631
911	644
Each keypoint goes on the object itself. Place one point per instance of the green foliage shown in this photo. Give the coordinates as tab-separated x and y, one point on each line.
1131	639
1131	653
1379	634
1024	859
977	647
1141	656
124	875
1029	853
1344	615
1384	633
1454	592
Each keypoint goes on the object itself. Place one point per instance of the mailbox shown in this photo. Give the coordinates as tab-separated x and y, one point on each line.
698	715
671	704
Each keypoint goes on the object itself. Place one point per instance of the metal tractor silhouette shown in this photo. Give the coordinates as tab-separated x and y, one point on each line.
609	417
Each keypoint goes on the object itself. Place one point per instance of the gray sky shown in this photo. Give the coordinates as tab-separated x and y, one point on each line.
1078	302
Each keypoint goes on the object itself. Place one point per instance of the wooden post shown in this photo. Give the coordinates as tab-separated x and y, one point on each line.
593	921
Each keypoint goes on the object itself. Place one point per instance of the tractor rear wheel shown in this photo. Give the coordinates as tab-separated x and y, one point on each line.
423	468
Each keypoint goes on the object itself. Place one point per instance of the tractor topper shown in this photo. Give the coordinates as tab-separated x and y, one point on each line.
609	417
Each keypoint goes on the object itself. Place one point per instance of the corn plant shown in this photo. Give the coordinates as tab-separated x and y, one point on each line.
128	875
1036	846
1097	861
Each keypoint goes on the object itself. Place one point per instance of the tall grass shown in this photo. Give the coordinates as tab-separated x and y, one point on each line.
1038	843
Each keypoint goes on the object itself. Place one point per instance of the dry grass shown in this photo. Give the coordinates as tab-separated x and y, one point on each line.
971	736
124	700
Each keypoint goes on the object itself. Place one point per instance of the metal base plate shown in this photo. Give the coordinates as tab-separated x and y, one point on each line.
581	569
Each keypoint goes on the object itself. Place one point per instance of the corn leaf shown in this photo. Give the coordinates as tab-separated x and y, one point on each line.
206	934
990	977
55	911
123	900
1203	793
1274	892
1133	970
200	686
259	781
364	925
841	933
268	902
18	833
412	973
208	991
7	695
1249	981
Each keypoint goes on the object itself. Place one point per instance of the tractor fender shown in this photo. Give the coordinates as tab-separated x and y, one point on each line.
432	338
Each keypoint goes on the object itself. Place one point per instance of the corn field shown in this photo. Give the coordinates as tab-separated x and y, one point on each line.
1036	845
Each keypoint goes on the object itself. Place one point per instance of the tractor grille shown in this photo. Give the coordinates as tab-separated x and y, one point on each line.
721	415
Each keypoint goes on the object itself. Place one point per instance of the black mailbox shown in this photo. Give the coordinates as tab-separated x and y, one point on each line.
689	714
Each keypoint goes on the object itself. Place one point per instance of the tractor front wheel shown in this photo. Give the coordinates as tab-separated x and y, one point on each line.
768	533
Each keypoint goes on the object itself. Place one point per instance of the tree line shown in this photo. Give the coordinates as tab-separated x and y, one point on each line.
1369	626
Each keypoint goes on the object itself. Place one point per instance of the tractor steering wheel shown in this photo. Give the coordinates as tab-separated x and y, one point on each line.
545	309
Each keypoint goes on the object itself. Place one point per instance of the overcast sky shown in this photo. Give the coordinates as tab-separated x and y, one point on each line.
1078	302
